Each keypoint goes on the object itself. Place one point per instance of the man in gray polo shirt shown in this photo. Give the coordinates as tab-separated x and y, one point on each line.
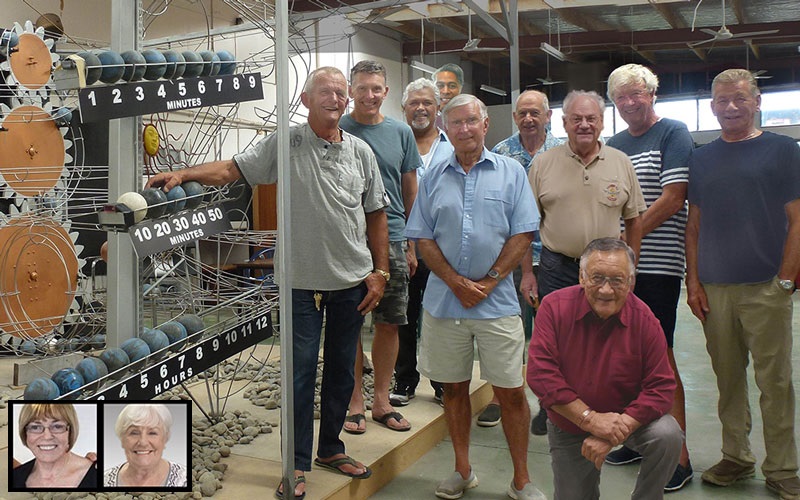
339	257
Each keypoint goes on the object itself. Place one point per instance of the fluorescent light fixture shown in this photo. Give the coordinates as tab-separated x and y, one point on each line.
493	90
552	51
423	67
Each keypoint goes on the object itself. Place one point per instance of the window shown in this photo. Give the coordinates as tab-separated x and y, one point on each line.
780	108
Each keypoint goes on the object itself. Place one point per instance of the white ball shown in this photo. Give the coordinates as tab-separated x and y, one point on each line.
135	202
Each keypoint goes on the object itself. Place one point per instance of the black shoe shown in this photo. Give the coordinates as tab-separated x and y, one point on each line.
438	394
680	477
490	416
401	395
539	423
622	456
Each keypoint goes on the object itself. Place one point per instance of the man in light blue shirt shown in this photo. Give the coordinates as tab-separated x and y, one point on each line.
473	219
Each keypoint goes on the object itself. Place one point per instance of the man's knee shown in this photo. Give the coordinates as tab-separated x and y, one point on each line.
665	435
456	390
511	398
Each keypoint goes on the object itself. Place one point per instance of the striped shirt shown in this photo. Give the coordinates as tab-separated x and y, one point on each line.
660	157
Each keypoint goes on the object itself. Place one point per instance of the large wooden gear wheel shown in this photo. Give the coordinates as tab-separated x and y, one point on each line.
32	147
32	63
38	276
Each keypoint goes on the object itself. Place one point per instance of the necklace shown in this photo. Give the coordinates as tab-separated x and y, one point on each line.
751	135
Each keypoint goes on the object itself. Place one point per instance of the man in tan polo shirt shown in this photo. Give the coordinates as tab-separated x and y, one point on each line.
582	189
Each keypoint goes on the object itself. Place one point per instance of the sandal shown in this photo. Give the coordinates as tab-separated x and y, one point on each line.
297	480
384	420
336	466
356	418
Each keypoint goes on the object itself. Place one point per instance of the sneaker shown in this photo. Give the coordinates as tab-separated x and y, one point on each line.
438	395
528	492
788	489
726	472
490	416
401	395
680	477
622	456
539	423
455	485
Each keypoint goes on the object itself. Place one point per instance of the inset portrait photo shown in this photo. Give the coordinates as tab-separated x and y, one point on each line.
54	446
147	446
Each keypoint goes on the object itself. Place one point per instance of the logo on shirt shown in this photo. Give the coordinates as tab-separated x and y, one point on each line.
295	140
612	192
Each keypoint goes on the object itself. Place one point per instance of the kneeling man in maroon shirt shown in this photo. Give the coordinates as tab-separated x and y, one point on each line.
598	363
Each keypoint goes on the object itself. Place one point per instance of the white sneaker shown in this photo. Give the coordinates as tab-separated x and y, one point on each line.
528	492
454	486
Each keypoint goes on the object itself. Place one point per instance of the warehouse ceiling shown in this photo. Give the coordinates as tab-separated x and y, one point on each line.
595	37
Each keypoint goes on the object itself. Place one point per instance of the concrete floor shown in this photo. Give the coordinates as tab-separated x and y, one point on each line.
254	469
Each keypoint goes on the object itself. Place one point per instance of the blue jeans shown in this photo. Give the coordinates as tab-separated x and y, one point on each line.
342	330
556	271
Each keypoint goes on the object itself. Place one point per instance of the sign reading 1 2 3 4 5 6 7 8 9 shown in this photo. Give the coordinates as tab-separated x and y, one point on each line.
143	98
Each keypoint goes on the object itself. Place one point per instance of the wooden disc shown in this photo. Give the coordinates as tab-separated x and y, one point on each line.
38	276
31	64
31	151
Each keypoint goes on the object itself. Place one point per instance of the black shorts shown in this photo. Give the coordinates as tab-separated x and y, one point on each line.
661	293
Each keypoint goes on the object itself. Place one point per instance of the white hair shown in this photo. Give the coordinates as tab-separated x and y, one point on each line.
463	100
144	415
631	74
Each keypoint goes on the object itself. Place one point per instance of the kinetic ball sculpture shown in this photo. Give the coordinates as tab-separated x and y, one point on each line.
93	65
156	202
211	63
114	358
227	62
177	197
194	64
176	64
192	322
136	203
92	369
41	389
156	64
155	339
68	379
113	66
136	349
134	66
176	333
194	193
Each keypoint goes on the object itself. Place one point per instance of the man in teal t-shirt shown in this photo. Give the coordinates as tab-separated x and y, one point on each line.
393	143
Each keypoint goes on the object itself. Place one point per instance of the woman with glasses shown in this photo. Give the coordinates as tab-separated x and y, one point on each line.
50	432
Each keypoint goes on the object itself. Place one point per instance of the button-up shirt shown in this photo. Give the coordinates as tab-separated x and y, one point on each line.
614	365
440	151
470	216
513	148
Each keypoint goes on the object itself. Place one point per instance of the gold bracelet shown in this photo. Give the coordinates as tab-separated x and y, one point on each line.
586	413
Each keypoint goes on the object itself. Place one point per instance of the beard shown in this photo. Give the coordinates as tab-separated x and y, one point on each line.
420	123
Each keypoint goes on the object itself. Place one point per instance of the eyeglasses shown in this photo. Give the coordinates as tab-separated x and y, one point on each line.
470	122
56	428
578	119
616	282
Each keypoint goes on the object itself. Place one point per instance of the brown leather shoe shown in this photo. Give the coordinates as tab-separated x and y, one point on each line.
726	472
788	489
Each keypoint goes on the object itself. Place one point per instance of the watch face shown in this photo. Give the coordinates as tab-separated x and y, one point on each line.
493	274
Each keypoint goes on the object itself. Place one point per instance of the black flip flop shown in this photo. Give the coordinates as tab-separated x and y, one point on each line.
384	419
335	466
297	480
355	418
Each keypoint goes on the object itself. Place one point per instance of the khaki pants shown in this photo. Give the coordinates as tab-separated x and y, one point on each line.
756	319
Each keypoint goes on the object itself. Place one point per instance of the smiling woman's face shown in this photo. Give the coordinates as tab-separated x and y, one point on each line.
143	445
50	444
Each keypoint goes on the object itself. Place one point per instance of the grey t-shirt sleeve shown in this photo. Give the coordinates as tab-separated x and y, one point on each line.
259	164
412	160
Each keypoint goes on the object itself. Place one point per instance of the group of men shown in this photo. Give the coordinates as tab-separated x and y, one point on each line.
399	209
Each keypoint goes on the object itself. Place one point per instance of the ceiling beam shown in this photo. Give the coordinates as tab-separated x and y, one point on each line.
738	9
670	15
649	55
575	17
702	54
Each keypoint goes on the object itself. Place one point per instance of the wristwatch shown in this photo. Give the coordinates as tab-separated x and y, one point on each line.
493	274
787	285
383	273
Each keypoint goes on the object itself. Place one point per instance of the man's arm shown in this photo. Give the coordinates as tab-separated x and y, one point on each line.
633	234
408	185
378	243
528	286
696	295
467	291
215	173
509	258
790	263
668	204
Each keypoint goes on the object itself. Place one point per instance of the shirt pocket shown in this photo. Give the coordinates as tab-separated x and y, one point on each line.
625	375
494	208
612	192
350	186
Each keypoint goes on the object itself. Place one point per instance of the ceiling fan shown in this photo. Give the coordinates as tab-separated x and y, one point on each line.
472	44
723	33
547	80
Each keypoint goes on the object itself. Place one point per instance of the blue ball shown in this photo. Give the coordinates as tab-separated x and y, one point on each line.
156	64
9	38
176	64
114	358
97	341
134	66
211	63
156	202
28	347
94	66
227	62
178	198
41	389
194	192
113	66
68	379
136	349
192	322
176	333
62	116
155	339
194	64
92	369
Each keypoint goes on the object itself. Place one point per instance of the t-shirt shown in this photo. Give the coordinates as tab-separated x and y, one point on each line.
333	186
660	157
394	146
741	189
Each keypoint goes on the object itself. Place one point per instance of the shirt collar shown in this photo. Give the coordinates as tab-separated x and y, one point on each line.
485	159
601	155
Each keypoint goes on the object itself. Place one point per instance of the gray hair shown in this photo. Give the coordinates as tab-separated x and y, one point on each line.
601	103
452	68
144	415
545	101
736	76
369	67
463	100
324	70
416	86
609	245
631	74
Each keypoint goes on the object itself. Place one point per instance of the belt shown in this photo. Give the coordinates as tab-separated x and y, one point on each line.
565	258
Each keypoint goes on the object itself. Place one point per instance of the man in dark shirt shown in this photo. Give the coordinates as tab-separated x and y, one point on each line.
586	342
